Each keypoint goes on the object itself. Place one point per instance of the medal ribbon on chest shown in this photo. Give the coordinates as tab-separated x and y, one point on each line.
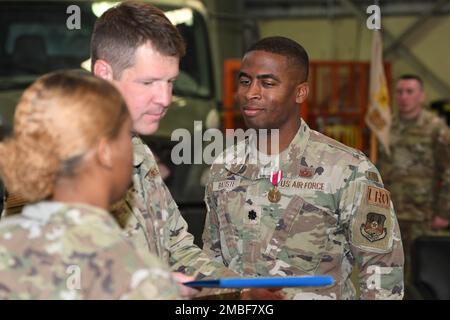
275	195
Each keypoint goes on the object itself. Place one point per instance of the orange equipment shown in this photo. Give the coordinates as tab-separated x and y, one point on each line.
336	105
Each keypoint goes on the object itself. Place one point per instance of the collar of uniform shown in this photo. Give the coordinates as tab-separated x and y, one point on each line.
404	123
421	118
43	211
290	159
138	150
143	159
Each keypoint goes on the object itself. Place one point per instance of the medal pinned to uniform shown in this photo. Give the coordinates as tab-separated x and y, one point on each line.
275	195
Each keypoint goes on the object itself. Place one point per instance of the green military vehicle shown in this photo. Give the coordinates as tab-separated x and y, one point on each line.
37	37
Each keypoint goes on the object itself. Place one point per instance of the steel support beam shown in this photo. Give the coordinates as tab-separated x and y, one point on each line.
414	26
415	62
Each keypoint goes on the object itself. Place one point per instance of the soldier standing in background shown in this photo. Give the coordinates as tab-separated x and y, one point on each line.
322	210
417	173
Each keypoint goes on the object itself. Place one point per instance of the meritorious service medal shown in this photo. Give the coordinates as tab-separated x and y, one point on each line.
275	195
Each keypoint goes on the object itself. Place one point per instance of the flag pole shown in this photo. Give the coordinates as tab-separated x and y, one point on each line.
373	137
373	149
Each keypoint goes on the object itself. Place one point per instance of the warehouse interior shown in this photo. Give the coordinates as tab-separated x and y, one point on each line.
38	37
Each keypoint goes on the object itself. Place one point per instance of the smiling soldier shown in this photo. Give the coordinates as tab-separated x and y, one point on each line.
318	208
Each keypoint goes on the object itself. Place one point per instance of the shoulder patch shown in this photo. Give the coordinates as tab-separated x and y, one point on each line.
378	197
372	227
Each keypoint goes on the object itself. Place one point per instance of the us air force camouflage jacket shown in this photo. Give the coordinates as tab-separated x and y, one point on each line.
417	173
152	220
60	251
333	215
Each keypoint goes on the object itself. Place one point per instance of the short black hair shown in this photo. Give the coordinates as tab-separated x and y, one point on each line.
412	77
285	47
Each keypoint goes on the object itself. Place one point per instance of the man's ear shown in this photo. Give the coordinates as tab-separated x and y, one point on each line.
102	69
302	92
104	153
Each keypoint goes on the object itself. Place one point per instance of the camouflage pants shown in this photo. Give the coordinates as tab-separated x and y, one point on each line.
410	231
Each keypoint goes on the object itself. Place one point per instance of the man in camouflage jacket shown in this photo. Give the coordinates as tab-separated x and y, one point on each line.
145	76
327	214
417	170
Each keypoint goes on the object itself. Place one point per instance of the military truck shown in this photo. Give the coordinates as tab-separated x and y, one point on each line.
37	37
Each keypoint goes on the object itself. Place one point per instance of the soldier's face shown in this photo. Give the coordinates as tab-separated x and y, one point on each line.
410	96
268	90
147	87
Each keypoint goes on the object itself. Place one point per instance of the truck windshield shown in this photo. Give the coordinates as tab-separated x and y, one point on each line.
35	39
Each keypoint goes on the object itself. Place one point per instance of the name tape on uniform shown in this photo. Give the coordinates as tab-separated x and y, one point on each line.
225	184
283	184
301	184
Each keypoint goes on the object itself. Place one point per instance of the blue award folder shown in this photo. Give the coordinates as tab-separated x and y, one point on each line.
270	282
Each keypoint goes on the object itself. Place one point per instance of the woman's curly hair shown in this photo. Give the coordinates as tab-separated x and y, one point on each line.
57	120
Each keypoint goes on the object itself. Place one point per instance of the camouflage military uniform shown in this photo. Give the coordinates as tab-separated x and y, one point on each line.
333	214
417	174
73	251
151	218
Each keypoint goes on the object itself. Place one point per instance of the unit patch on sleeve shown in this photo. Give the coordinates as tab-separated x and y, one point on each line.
373	229
372	226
